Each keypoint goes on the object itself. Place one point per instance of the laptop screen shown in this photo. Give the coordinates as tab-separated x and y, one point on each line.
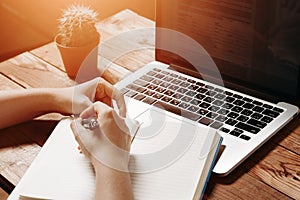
255	44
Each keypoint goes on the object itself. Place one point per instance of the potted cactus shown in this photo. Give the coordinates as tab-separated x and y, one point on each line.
77	41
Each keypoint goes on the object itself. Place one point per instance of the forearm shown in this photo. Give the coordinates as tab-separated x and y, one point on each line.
112	184
22	105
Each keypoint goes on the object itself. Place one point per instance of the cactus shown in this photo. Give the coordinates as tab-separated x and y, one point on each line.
77	26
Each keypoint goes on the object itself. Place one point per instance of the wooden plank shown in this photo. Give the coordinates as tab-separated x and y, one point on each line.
289	137
7	84
280	169
30	71
240	187
16	154
121	22
3	194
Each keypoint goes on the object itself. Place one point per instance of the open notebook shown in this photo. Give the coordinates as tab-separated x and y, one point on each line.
61	172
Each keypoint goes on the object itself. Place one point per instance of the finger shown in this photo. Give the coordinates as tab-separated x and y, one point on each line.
88	112
104	89
121	104
79	131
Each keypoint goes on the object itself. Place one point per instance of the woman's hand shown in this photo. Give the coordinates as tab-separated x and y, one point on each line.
73	100
109	143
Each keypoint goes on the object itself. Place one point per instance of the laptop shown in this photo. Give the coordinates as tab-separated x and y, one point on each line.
233	66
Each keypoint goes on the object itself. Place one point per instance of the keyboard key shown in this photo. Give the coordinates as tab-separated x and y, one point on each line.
218	102
230	99
168	79
160	89
202	90
220	96
149	92
151	73
149	100
169	92
258	103
258	109
208	99
235	133
156	82
191	93
205	121
176	82
257	123
140	82
228	93
156	69
139	97
175	102
209	87
212	115
191	81
227	106
124	90
256	115
216	125
242	118
247	112
267	119
184	105
133	87
221	118
193	87
214	108
278	110
177	96
151	87
246	127
233	115
238	96
248	106
247	99
174	75
131	94
165	72
200	84
157	95
195	102
193	108
238	102
177	111
237	109
223	112
245	137
225	130
211	93
184	84
182	90
186	99
159	76
219	90
147	78
202	111
268	106
199	96
204	105
164	84
173	87
166	99
231	122
270	113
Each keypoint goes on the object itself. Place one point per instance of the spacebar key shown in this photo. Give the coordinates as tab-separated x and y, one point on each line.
177	111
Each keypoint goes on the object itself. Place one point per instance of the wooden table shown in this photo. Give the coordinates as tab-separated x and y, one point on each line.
273	172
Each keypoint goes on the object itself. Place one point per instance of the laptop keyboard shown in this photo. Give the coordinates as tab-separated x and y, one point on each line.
212	106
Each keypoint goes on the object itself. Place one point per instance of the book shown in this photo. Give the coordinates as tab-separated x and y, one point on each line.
158	172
